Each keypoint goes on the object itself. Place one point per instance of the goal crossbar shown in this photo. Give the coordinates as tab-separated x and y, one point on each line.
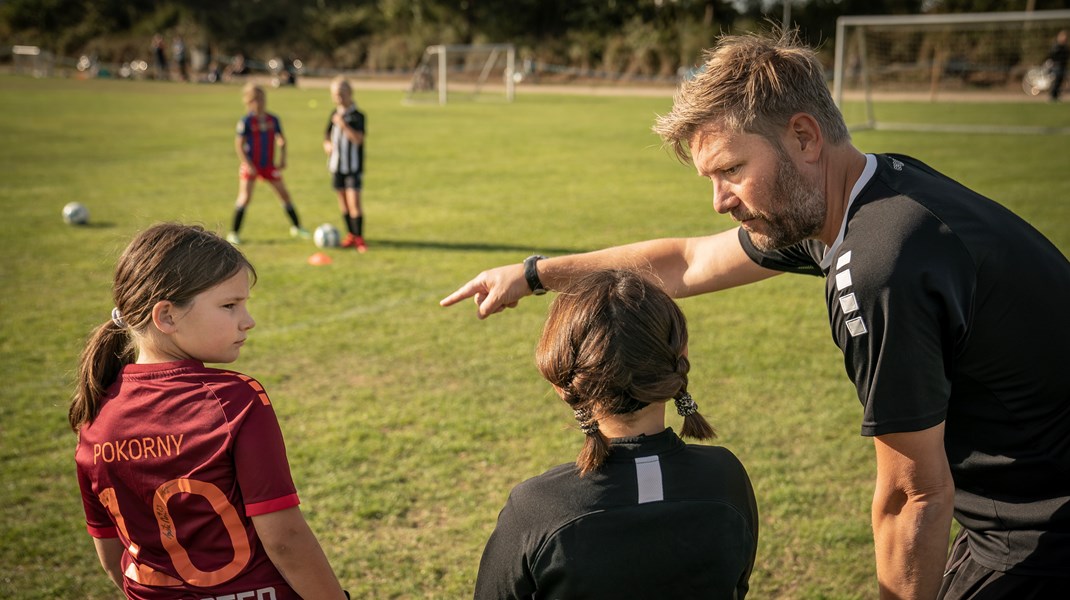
433	72
853	28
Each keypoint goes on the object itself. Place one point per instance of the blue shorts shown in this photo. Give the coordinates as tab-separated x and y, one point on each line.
347	181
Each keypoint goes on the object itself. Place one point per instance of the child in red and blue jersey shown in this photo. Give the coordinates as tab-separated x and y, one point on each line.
183	471
258	133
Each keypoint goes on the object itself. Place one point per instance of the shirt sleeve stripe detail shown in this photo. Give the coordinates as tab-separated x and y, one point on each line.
102	532
256	509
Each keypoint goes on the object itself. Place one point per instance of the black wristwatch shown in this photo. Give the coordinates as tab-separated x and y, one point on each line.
531	274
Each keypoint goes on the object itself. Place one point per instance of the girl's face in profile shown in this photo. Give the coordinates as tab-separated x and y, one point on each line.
214	326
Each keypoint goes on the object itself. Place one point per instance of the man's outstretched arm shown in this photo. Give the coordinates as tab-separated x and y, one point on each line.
684	266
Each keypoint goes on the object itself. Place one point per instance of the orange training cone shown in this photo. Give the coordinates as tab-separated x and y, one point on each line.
319	259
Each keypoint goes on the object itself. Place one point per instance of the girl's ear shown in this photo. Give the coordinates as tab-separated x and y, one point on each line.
163	316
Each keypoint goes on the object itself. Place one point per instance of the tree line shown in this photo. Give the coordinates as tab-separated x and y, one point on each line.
646	38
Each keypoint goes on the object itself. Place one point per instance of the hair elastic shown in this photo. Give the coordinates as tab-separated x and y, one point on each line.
117	317
685	405
588	425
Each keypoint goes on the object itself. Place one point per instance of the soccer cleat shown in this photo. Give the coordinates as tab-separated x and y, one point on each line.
349	241
361	246
233	238
300	232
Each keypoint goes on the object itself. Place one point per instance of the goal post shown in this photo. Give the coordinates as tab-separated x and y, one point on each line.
465	70
942	58
31	60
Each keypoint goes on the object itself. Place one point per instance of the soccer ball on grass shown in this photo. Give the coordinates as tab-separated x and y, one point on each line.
327	236
75	213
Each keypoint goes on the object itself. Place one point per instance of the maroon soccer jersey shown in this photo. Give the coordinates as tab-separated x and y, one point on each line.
178	460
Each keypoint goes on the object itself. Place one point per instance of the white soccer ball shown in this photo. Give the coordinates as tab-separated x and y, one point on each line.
75	213
327	236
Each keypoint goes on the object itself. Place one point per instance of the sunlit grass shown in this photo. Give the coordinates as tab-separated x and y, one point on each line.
407	424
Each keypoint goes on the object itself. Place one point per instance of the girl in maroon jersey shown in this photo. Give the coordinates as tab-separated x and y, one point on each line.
182	468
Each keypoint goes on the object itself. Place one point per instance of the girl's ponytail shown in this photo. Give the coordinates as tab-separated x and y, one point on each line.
695	425
102	358
595	447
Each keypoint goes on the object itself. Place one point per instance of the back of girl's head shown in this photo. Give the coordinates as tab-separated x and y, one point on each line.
615	342
168	261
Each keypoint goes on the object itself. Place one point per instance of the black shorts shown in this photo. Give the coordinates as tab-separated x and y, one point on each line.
966	579
347	181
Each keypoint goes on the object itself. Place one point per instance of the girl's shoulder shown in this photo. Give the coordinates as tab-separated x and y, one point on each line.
232	387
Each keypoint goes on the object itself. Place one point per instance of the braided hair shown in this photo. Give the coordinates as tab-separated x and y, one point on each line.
614	342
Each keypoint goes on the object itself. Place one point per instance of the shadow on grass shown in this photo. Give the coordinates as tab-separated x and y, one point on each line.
469	246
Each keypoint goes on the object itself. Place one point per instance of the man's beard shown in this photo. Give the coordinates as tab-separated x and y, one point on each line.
796	211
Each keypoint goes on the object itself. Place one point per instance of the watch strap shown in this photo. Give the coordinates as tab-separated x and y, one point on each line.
531	274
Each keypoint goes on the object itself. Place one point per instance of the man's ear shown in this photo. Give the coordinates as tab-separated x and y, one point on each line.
163	316
804	136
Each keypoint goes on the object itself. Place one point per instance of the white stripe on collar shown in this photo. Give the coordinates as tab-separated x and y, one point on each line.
648	476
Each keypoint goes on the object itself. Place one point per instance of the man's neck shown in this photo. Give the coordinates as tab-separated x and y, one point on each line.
844	166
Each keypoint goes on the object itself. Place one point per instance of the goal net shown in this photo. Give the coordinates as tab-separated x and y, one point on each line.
939	60
474	72
31	60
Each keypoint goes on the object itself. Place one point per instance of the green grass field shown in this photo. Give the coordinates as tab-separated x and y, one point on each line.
406	423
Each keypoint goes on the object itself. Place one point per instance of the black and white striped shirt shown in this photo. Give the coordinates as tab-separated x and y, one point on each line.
346	156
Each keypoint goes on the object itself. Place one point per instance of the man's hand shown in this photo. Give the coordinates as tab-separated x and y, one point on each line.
493	290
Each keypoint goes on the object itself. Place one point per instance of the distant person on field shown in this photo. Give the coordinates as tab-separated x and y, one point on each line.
237	67
258	133
183	472
640	514
1058	56
209	62
344	145
178	50
159	58
950	310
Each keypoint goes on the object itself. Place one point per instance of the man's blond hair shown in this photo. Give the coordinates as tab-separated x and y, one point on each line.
753	84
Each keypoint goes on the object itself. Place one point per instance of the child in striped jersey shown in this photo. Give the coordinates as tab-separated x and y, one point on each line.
344	145
258	135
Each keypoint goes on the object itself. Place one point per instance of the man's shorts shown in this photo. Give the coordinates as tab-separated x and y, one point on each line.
347	181
269	173
966	579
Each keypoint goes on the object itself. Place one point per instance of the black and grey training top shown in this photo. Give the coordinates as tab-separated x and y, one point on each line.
660	519
950	308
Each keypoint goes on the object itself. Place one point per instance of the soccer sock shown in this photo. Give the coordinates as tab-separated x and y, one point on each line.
293	215
350	225
360	225
239	214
